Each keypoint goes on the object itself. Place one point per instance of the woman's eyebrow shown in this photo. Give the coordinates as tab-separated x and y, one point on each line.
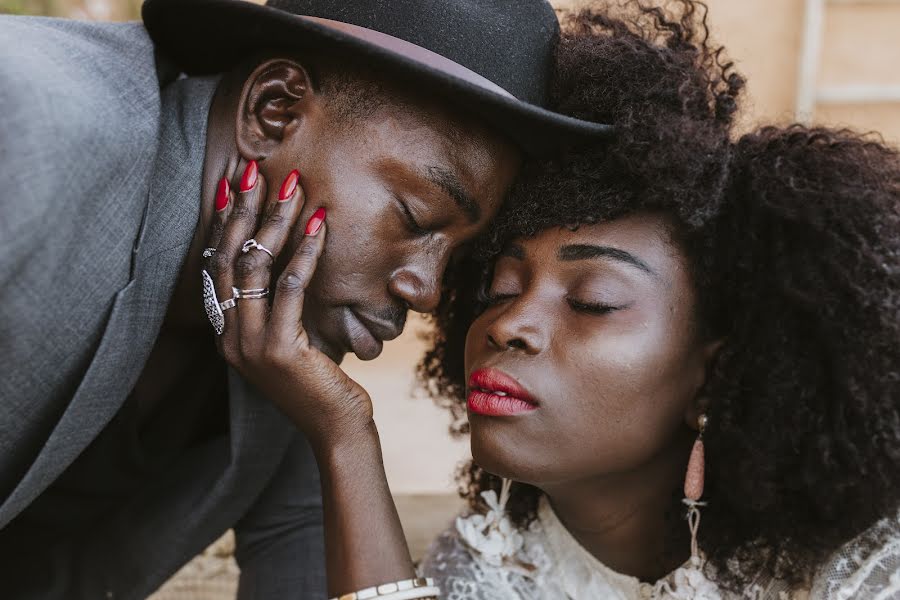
589	251
515	251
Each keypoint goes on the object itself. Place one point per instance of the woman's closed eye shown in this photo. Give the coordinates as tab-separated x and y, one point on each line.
594	308
492	298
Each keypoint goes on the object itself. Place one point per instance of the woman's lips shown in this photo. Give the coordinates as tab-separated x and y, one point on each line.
496	394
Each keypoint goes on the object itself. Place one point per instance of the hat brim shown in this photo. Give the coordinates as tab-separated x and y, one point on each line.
211	36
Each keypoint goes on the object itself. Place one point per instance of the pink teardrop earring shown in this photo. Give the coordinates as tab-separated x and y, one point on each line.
693	489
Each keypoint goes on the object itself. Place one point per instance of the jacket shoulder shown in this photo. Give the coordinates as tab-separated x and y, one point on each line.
80	106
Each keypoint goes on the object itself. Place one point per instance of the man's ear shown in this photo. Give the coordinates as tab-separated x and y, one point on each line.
700	403
274	100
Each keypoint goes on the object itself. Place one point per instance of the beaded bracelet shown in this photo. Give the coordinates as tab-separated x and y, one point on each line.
408	589
425	593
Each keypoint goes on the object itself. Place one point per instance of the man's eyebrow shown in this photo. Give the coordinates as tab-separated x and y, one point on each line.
450	184
588	251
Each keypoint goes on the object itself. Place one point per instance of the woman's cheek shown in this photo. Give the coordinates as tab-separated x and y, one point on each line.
620	370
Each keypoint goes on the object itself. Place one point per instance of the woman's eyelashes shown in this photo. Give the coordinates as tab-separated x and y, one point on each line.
494	298
594	308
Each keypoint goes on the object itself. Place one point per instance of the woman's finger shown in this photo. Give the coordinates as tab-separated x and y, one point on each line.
253	269
287	309
223	204
239	226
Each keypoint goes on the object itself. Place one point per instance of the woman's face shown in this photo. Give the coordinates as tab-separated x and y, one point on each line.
591	337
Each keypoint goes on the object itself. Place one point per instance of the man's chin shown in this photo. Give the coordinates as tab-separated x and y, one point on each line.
338	355
333	351
345	333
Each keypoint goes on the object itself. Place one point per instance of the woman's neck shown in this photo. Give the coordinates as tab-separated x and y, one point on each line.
631	521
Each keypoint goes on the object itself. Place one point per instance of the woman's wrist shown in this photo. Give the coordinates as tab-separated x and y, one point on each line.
342	439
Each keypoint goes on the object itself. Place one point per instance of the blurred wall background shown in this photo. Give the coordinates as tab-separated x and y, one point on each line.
831	61
102	10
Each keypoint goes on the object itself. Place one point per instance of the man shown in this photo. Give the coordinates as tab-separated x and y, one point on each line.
125	445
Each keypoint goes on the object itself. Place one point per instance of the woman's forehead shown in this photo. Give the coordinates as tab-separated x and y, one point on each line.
643	234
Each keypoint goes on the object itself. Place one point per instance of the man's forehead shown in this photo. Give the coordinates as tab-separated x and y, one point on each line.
446	137
463	164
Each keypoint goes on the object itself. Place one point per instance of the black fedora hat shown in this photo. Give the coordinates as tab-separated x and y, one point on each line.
491	57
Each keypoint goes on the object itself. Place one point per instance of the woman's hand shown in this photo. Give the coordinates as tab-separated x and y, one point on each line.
264	338
268	344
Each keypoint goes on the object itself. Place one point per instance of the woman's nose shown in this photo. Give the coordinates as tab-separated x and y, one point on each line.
518	327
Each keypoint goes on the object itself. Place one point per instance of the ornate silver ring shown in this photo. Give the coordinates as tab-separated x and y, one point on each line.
254	245
207	253
211	304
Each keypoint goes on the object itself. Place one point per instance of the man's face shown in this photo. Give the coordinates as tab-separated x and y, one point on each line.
403	191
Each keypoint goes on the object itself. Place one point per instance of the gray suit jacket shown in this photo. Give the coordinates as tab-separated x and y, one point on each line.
101	153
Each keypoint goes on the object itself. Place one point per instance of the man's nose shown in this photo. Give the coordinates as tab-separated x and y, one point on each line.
518	326
420	291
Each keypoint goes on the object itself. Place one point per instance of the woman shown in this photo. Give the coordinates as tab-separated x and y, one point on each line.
671	280
676	324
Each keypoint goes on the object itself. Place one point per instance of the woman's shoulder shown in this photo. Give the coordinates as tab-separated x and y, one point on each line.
867	567
458	570
471	560
446	554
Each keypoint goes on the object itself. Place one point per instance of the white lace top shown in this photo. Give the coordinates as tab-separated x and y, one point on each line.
483	557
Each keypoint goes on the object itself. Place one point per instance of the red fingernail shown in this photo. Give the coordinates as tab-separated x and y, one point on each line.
222	194
315	222
289	185
248	181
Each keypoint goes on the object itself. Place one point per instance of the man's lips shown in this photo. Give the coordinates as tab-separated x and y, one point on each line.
365	334
360	339
494	393
379	328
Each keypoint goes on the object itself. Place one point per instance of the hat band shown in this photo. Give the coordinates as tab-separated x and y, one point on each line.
413	51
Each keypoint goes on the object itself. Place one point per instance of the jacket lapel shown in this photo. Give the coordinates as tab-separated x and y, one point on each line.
139	308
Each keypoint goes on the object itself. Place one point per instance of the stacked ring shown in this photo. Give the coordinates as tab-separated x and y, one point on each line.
254	245
255	294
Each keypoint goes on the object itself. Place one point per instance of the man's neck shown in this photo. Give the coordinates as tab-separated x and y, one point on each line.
627	521
221	160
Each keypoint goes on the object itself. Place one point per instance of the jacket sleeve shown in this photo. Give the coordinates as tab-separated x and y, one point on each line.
280	541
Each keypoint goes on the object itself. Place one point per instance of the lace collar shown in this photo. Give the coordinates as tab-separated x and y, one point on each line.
547	551
583	576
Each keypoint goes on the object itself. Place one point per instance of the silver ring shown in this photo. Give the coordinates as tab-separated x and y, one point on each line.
254	294
254	245
230	303
207	253
212	305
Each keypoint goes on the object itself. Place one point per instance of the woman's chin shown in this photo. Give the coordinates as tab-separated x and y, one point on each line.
505	459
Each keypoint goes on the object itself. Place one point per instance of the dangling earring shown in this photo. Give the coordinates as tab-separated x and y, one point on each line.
693	489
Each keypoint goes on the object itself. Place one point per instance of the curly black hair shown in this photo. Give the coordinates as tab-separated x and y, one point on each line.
793	235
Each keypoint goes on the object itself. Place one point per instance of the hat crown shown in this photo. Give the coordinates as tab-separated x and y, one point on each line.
509	42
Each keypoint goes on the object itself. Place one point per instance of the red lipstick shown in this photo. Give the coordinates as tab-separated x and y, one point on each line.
495	394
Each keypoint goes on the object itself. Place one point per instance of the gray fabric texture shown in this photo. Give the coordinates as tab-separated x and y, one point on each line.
101	175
